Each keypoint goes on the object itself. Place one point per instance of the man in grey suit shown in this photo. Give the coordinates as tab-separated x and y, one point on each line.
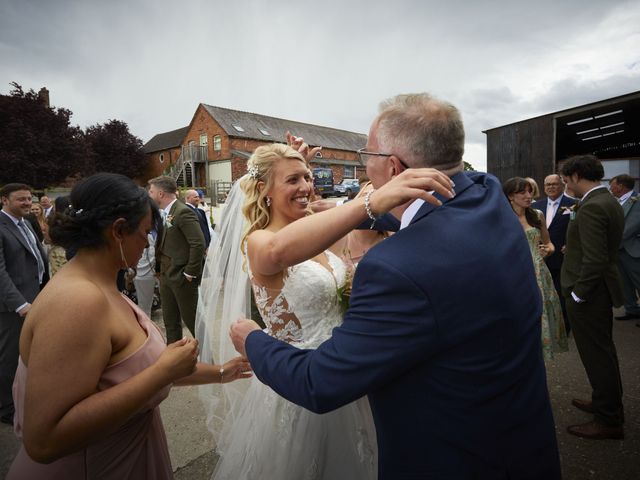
621	187
23	270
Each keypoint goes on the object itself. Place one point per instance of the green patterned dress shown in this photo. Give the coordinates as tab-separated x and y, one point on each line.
554	337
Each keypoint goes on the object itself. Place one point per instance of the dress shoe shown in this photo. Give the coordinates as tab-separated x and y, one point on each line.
583	405
596	431
8	419
628	316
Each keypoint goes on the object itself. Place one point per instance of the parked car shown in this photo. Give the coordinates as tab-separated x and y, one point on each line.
347	186
323	182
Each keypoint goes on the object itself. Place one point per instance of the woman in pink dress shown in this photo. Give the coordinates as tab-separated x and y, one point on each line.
93	368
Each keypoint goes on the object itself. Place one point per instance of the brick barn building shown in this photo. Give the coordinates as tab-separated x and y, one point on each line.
215	146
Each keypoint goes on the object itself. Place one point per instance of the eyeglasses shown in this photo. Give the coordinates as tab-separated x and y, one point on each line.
363	157
552	184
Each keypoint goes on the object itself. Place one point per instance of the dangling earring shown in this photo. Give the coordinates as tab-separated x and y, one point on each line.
124	260
268	200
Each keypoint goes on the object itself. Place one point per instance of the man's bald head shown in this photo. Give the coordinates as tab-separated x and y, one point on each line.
192	198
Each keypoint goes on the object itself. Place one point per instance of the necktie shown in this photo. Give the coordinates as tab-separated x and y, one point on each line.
551	211
31	241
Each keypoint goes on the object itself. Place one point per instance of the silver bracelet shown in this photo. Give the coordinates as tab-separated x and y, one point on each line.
367	207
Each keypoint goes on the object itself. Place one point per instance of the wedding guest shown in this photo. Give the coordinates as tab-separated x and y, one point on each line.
179	258
591	285
519	193
145	275
622	187
535	190
46	205
38	213
23	273
93	368
58	256
557	207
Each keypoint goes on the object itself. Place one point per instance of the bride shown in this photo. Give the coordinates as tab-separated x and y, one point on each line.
260	435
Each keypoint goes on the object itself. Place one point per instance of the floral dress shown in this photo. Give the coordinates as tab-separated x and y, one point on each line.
554	336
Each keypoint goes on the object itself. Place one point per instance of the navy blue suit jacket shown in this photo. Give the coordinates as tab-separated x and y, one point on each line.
557	230
204	225
443	335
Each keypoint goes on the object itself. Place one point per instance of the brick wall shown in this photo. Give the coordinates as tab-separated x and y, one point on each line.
203	123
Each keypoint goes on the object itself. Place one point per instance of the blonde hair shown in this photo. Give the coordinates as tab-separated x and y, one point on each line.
260	164
535	190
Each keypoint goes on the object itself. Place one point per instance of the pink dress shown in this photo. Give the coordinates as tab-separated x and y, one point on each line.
137	450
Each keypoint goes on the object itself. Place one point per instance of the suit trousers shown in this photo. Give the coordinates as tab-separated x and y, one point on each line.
10	328
179	301
592	324
629	268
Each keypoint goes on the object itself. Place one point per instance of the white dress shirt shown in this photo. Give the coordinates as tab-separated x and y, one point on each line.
625	197
410	212
552	208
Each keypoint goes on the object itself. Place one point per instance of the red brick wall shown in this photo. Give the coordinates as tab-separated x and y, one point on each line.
154	167
203	123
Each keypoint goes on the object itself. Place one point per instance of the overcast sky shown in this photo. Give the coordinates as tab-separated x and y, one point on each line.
150	62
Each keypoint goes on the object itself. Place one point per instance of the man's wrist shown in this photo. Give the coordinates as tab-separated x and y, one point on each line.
24	305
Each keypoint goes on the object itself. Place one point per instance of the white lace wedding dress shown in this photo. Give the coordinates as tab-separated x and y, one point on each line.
273	439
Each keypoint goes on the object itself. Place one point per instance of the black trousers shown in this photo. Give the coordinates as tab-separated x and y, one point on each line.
592	324
10	328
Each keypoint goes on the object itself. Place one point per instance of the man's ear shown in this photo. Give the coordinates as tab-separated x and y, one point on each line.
395	166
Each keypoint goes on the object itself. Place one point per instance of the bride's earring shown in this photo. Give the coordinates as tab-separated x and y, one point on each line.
268	200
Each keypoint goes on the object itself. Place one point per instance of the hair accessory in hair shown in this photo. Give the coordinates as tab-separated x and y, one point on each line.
74	213
253	172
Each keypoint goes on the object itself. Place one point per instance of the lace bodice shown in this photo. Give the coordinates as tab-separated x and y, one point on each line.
306	308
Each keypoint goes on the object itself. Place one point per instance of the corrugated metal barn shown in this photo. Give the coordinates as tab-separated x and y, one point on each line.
609	129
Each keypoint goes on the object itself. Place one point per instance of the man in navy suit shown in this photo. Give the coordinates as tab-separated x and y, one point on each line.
443	328
192	199
557	210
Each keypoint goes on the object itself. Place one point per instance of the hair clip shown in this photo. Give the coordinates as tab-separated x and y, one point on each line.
253	172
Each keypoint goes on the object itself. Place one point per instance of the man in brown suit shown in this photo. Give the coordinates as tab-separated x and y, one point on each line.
591	286
179	254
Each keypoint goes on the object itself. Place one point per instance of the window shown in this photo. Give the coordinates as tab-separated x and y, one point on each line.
203	139
161	158
349	172
217	143
264	132
238	128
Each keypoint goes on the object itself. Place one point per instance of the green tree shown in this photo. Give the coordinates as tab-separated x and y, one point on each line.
468	167
38	145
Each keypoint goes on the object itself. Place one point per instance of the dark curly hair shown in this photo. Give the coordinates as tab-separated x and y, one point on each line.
585	166
96	202
519	185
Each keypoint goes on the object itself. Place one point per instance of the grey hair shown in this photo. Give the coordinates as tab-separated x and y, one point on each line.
423	131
